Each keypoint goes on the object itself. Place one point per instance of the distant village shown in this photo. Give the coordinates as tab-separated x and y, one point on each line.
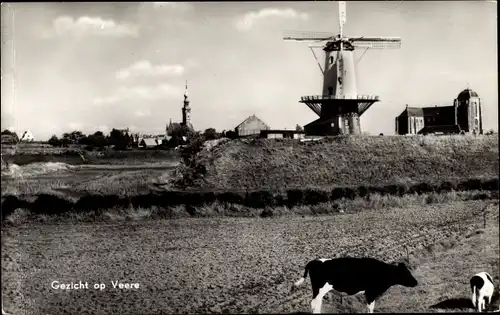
463	117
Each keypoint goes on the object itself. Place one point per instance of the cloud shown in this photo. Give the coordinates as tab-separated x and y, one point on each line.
145	68
86	25
157	92
246	22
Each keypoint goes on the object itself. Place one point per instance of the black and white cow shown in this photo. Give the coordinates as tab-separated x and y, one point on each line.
354	276
482	288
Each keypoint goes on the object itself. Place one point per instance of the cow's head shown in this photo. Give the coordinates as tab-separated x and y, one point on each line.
405	277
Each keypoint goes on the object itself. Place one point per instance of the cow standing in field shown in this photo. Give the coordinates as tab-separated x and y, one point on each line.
354	276
482	288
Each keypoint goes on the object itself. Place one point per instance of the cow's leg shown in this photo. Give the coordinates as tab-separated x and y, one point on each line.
318	299
371	295
484	303
489	299
480	302
371	306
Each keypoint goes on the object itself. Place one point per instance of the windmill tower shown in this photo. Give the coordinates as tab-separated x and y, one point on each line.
339	107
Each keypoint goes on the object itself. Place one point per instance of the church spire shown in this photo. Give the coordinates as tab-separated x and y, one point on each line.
186	100
186	110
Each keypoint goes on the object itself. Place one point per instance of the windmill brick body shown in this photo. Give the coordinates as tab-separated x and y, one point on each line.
340	106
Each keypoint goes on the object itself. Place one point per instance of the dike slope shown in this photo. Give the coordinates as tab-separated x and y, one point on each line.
340	161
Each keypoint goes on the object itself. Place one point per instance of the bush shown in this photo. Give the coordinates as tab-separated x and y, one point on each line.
364	191
447	186
342	192
11	203
422	188
50	204
54	141
259	199
396	190
491	184
96	202
313	196
471	184
231	197
295	197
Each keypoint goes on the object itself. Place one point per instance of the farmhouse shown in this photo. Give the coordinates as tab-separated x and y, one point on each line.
464	116
252	126
27	137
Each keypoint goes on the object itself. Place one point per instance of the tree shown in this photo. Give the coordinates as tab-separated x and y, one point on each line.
96	140
11	135
210	134
75	137
118	139
54	141
299	128
177	133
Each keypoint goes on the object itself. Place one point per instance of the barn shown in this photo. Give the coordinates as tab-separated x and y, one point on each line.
252	126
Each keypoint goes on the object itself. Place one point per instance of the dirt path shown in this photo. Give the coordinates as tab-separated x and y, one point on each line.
210	265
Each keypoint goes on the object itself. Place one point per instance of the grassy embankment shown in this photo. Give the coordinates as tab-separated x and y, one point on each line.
269	177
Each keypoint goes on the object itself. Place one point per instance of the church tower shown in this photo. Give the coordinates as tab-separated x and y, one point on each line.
186	111
469	112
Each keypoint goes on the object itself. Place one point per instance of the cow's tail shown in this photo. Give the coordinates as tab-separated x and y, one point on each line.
475	284
475	293
301	280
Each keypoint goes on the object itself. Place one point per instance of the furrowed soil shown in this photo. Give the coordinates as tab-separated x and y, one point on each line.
341	161
239	265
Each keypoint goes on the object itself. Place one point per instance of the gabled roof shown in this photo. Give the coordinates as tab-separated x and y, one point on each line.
249	118
27	134
149	142
414	111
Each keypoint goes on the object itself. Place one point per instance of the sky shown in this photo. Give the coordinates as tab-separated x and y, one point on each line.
97	66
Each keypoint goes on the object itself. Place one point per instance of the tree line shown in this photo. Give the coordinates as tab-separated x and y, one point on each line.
122	140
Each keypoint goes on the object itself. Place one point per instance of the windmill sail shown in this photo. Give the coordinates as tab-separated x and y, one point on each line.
377	42
342	15
308	35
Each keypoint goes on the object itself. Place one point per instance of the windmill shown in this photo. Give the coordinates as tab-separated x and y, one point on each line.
339	107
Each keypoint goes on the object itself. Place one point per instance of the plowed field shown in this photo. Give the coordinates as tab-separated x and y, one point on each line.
215	265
